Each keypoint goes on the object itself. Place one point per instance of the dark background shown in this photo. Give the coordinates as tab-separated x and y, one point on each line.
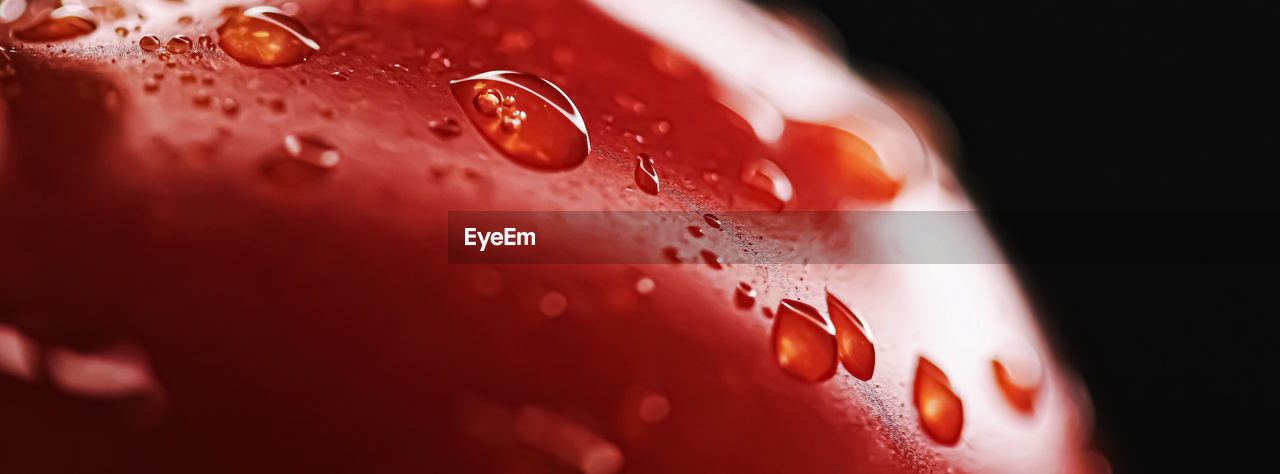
1113	107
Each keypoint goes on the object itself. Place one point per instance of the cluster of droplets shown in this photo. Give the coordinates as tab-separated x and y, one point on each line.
491	103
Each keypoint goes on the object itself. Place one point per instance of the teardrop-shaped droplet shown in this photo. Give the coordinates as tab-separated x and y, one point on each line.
265	37
178	45
149	43
804	342
312	151
445	128
941	413
744	296
712	221
768	178
712	259
65	22
529	119
1019	373
646	176
857	353
695	231
671	254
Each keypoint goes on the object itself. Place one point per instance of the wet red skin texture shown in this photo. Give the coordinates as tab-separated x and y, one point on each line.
315	324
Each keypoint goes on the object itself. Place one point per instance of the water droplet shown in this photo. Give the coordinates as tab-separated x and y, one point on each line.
202	99
445	128
1019	373
695	231
151	84
529	119
230	107
149	43
264	37
122	31
184	20
671	254
206	43
644	285
340	76
646	176
187	77
941	413
804	342
767	177
712	220
661	127
744	295
711	258
178	45
629	103
654	408
65	22
857	353
438	62
553	304
312	151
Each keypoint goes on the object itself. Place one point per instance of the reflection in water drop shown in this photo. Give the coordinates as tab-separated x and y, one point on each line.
264	37
804	342
941	412
857	353
66	22
646	175
529	119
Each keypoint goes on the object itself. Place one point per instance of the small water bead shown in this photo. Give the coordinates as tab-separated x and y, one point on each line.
712	220
646	176
230	107
526	117
149	43
445	128
695	231
184	20
766	176
857	352
151	84
178	45
644	285
671	254
201	98
941	412
804	342
122	31
711	259
312	151
340	76
1019	373
65	22
744	296
266	37
553	304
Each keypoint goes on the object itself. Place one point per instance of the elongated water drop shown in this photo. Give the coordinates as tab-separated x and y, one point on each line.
857	352
265	37
646	176
529	119
1018	372
178	45
804	342
941	412
767	177
744	296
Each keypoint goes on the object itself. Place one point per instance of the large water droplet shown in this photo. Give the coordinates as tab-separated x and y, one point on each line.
178	45
857	353
531	120
264	37
646	176
149	43
744	295
1019	373
768	178
712	220
804	342
65	22
941	413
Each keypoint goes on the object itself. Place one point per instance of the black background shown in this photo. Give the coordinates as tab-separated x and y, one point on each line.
1104	107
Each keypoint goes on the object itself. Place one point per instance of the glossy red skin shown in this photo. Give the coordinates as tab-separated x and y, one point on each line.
316	326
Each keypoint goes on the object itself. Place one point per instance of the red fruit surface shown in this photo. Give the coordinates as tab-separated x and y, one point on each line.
264	314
